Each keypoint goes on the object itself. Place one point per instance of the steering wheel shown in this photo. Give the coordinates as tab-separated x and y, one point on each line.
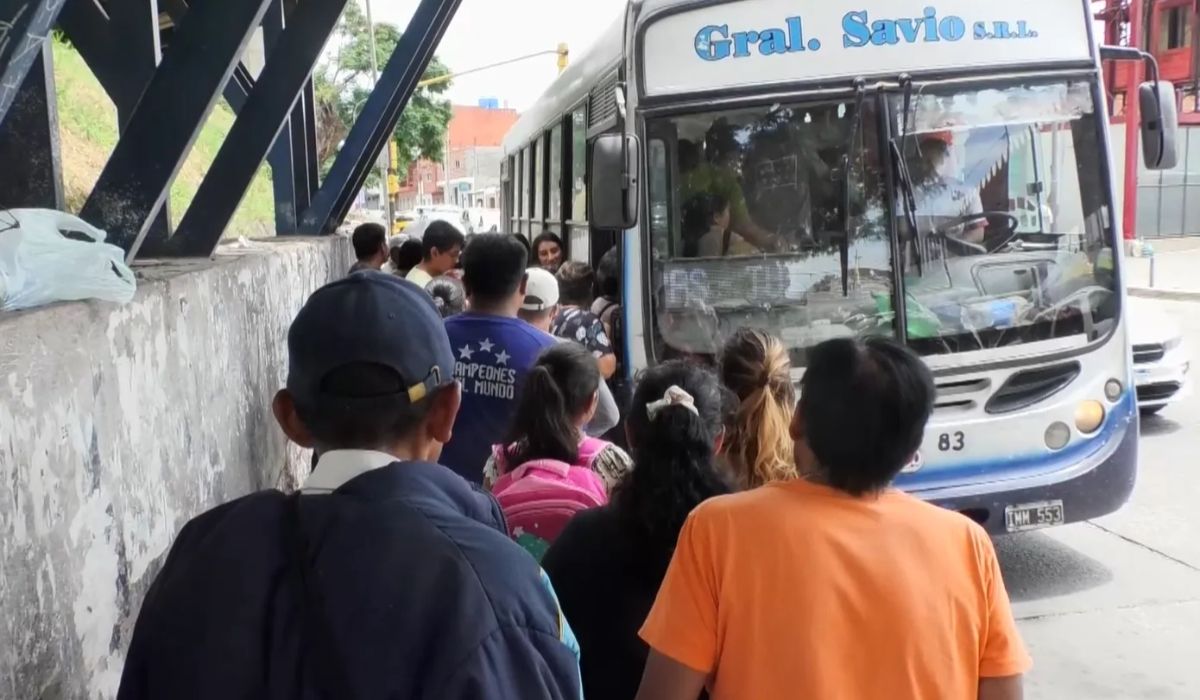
1010	230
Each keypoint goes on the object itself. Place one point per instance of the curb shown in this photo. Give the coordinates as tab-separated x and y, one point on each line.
1169	294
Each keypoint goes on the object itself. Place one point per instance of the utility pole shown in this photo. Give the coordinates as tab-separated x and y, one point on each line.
385	157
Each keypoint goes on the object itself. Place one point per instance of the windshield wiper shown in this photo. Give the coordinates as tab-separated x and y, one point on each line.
908	199
860	91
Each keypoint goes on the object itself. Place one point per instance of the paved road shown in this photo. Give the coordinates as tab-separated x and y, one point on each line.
1111	609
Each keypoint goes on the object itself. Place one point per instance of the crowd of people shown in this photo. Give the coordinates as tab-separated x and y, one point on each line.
473	528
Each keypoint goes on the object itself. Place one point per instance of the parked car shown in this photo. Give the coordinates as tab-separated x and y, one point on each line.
358	217
424	215
1161	360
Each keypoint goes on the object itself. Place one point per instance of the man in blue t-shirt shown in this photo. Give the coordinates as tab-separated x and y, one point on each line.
493	349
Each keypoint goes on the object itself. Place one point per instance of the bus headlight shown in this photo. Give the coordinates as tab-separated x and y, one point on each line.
1089	416
1058	435
1113	389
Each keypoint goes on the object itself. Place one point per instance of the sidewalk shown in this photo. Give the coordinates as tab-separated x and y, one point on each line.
1176	270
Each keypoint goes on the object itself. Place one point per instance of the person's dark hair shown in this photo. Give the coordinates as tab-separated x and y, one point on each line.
363	406
864	404
930	154
528	248
544	237
493	266
699	212
440	235
558	389
689	155
535	317
608	274
720	143
448	295
675	466
368	239
406	256
576	283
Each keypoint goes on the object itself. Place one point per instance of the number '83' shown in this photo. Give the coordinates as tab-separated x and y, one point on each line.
952	442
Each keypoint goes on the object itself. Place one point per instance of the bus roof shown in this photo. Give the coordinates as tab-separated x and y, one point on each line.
572	87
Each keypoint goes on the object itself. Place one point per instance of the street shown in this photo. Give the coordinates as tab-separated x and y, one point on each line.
1111	608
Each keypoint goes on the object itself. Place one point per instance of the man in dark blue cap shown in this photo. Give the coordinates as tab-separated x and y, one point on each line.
390	577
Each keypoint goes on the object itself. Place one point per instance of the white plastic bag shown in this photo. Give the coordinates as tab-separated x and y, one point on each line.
48	256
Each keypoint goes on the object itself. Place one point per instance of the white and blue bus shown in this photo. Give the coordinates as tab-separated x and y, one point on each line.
937	171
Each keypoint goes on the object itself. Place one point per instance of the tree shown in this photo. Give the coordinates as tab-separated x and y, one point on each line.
343	82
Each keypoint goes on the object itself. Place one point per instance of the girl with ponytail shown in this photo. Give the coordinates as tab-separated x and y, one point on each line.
758	447
608	563
558	399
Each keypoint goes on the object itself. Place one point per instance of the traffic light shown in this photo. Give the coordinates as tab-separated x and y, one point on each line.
563	55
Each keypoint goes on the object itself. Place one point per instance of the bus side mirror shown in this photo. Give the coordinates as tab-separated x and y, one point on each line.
1160	124
613	196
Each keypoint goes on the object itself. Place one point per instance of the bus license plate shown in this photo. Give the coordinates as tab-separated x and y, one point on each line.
1033	516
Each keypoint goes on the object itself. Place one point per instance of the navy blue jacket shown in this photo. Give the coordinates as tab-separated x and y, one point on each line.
423	596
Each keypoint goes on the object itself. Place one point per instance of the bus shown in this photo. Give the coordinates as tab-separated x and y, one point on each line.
852	169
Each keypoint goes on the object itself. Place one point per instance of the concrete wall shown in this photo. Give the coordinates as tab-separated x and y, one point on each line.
119	423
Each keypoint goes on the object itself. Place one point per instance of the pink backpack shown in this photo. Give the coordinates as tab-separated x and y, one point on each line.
540	496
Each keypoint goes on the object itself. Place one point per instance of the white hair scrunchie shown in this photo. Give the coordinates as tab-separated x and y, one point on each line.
673	396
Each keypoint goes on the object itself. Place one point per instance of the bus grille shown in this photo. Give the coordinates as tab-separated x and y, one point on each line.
1146	354
960	395
1031	386
1158	392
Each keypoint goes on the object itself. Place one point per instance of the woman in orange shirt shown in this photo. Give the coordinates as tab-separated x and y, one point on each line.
836	585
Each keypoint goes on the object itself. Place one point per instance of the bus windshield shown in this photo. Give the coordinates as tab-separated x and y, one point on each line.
749	226
1013	242
779	217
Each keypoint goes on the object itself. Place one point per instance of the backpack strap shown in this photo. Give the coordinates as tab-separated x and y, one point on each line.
609	305
500	458
726	241
590	449
331	676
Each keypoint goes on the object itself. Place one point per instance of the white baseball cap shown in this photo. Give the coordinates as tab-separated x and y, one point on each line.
541	290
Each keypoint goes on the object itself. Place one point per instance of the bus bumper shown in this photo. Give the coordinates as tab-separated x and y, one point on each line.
1096	486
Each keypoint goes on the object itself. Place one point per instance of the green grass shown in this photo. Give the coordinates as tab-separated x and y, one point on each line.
88	128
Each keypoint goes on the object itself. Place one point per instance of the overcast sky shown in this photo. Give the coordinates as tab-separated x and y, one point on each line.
488	31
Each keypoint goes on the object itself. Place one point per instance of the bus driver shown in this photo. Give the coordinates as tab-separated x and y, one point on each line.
941	194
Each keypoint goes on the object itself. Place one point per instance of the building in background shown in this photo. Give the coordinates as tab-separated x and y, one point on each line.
422	186
1168	201
469	177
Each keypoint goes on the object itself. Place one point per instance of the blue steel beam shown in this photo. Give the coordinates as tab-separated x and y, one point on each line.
294	163
195	68
87	27
24	26
377	121
293	167
289	64
304	153
288	156
240	84
121	47
29	143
